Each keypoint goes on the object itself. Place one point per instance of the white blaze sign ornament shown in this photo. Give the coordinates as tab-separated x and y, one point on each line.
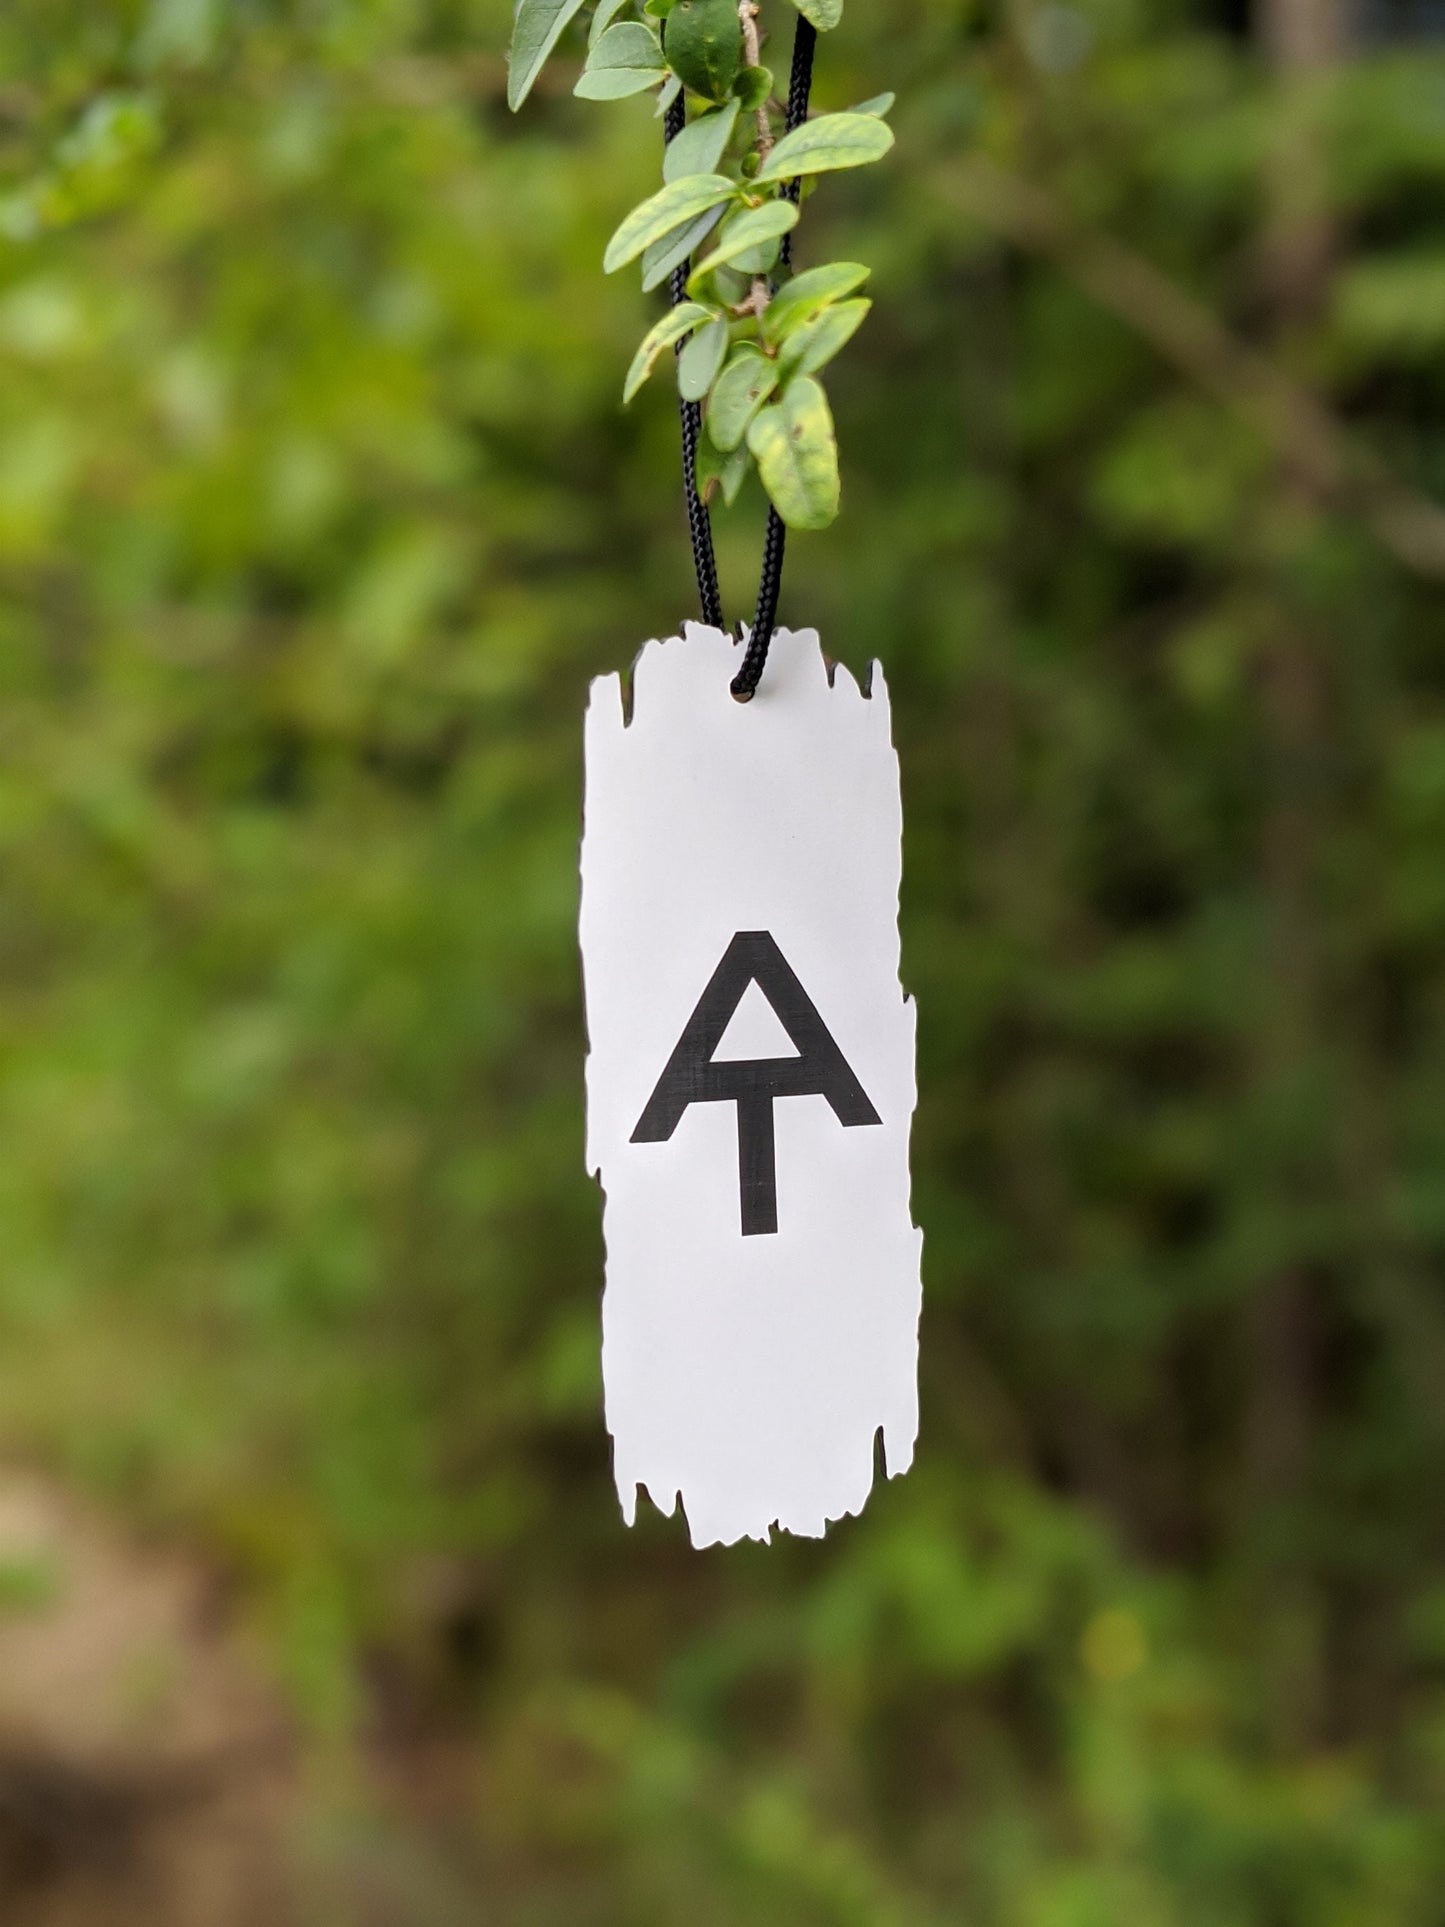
750	1087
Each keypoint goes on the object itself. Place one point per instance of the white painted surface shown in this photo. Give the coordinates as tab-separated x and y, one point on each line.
749	1375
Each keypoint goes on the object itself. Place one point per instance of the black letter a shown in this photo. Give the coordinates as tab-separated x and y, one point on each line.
819	1070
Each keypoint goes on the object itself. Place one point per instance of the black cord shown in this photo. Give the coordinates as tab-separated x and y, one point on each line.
800	82
770	581
699	522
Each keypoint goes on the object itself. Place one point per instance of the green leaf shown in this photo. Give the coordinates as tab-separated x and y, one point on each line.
832	141
737	395
824	14
701	358
797	455
626	60
674	325
658	9
729	286
716	470
879	104
615	83
537	29
752	87
759	260
704	42
666	95
814	342
659	260
699	148
807	294
749	229
668	208
607	11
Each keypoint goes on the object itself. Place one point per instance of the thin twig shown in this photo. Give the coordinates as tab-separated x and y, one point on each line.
761	293
753	57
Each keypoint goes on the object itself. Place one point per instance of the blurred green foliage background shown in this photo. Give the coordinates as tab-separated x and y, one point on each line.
317	510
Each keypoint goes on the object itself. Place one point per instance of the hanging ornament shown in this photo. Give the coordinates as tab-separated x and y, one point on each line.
750	1086
750	1080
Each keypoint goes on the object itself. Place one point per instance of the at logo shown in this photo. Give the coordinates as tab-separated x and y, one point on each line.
692	1077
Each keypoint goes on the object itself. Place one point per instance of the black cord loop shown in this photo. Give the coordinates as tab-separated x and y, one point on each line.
699	521
800	83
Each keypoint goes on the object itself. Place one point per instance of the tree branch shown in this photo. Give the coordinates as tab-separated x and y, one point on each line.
753	57
1315	448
